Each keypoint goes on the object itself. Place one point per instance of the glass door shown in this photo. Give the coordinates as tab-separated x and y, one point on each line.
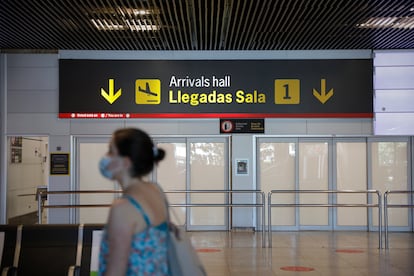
277	169
208	170
351	173
190	164
171	175
200	164
296	164
390	171
89	151
314	165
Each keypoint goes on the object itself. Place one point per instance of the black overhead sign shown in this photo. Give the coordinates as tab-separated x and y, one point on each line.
215	88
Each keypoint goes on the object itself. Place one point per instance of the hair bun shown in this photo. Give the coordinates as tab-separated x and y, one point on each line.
158	154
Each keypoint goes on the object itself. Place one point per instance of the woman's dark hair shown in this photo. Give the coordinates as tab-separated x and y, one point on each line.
138	146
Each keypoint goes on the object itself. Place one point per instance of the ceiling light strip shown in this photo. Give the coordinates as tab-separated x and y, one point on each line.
326	11
38	23
343	18
170	26
25	29
275	29
213	11
192	19
96	12
331	28
356	14
224	32
130	12
114	23
182	16
203	21
86	31
250	17
145	29
70	39
244	19
13	27
218	22
300	33
265	32
286	23
232	23
160	36
254	28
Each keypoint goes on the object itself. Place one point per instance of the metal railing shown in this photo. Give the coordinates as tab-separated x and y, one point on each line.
42	195
386	206
257	193
367	205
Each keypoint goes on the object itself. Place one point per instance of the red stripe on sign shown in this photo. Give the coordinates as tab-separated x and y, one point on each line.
208	250
210	115
349	251
297	268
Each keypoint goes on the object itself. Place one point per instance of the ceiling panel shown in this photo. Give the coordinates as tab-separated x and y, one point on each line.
48	25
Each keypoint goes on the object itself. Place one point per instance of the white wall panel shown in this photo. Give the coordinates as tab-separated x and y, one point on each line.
394	124
33	78
36	123
394	77
156	127
178	127
394	101
286	126
93	127
338	127
394	92
25	101
210	127
32	60
394	58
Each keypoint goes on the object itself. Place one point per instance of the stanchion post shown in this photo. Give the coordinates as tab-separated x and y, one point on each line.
262	194
386	219
379	218
269	219
39	207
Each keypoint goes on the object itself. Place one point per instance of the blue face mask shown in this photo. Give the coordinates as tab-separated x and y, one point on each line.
103	167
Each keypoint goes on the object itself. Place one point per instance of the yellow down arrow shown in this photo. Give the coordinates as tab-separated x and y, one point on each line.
111	97
323	97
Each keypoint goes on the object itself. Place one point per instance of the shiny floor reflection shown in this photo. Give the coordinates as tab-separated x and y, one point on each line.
305	253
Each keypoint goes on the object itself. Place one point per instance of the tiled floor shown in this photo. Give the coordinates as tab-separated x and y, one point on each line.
322	253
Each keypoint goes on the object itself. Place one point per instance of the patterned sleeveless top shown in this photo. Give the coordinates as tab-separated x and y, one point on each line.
148	254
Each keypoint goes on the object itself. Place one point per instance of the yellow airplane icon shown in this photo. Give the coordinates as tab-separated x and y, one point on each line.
147	89
151	94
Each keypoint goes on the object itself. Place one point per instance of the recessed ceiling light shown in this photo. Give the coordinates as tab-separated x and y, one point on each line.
128	24
406	22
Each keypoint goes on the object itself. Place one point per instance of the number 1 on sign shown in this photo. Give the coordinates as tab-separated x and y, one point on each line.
287	97
287	91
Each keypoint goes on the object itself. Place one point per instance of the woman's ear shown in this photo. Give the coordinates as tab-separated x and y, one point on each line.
126	161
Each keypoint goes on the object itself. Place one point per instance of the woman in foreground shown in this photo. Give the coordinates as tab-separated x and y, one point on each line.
135	237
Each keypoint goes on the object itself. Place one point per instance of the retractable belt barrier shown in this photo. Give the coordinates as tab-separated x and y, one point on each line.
272	205
388	194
